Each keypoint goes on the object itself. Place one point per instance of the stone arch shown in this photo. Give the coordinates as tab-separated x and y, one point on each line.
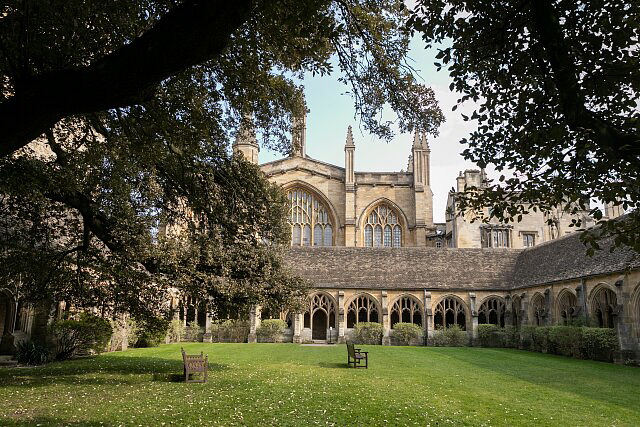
321	314
492	310
451	310
635	307
407	309
537	309
363	307
602	301
402	218
566	306
334	218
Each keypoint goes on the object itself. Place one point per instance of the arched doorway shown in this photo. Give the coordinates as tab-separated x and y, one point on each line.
319	331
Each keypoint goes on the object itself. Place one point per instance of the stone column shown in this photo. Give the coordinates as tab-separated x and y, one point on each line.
581	293
342	322
508	312
548	307
208	336
297	319
428	318
254	323
623	321
386	326
474	318
524	309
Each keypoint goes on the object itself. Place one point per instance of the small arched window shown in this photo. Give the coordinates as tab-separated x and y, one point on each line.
382	228
309	218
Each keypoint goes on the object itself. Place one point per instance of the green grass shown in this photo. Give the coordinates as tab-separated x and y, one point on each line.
288	384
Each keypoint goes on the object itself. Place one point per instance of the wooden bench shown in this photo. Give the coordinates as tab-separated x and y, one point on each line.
195	364
355	357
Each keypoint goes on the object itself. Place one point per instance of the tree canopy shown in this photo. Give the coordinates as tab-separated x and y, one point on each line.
135	104
557	84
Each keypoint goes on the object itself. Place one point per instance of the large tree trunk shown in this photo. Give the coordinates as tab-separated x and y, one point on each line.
195	31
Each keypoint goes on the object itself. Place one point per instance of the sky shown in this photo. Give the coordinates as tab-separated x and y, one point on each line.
331	112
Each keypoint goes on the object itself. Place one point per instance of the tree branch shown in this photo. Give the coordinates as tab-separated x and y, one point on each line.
193	32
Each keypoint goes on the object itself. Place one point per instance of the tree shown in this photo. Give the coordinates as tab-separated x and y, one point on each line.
138	137
557	84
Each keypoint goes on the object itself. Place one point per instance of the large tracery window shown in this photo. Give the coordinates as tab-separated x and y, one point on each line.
602	305
309	218
363	308
567	307
450	311
492	311
382	228
406	310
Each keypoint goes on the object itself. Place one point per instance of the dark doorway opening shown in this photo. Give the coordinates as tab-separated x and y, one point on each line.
319	321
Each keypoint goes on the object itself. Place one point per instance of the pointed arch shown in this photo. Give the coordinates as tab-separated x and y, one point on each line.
635	307
492	310
321	314
315	217
602	301
566	307
384	233
363	307
451	310
407	309
537	309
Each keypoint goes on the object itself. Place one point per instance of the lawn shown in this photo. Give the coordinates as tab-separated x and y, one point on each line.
289	384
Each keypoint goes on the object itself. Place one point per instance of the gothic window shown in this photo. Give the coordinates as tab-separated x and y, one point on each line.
362	308
602	304
320	303
567	307
538	310
406	310
492	311
450	311
382	228
309	218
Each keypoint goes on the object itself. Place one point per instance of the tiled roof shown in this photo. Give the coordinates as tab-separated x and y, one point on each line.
404	268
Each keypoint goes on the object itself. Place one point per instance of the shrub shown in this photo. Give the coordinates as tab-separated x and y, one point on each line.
511	336
491	335
599	343
193	332
270	329
453	336
368	333
565	341
31	353
233	331
526	337
406	333
153	331
540	339
86	334
176	330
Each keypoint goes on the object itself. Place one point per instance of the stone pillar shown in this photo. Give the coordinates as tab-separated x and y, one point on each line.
548	307
386	324
297	320
428	311
350	192
474	318
508	312
524	309
623	321
254	323
581	294
342	321
208	336
185	306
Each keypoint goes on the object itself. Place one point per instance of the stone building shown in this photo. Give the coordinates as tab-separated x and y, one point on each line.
368	244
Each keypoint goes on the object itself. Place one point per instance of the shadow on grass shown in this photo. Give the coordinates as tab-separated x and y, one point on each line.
51	421
600	381
333	365
98	371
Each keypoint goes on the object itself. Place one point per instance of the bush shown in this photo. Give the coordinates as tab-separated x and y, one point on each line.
406	333
233	331
491	335
599	343
270	330
368	333
176	332
453	336
84	335
511	337
153	331
31	353
193	332
565	341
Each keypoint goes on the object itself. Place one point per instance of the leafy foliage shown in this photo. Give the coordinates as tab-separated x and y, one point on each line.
80	336
453	336
153	331
407	333
368	333
193	332
270	330
32	353
557	84
233	331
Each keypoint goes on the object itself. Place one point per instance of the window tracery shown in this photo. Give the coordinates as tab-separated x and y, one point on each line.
450	311
407	310
320	302
492	311
567	307
538	310
310	220
382	228
602	306
362	308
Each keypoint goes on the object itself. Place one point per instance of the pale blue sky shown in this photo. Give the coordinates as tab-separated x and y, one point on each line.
331	113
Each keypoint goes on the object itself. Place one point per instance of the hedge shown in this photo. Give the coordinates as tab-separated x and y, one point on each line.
453	336
270	330
406	333
368	333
